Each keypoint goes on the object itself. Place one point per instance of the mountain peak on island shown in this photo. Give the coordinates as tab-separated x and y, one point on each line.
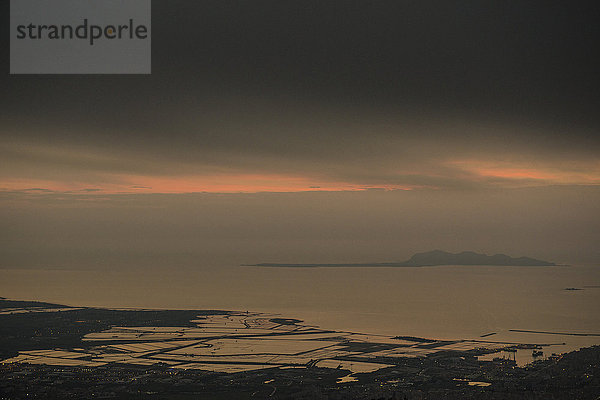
439	257
433	258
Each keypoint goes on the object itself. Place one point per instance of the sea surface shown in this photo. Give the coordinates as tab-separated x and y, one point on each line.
444	302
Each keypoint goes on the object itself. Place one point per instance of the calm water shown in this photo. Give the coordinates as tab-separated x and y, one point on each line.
436	302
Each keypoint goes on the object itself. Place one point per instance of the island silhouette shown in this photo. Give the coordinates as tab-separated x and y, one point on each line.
432	258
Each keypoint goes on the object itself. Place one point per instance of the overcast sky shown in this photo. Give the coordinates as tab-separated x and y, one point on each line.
454	98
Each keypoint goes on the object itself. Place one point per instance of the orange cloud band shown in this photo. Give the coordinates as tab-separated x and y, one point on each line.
226	183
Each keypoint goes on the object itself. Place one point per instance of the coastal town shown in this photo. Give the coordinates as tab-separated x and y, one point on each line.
175	354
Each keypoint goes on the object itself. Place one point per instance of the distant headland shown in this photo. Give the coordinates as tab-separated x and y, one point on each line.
433	258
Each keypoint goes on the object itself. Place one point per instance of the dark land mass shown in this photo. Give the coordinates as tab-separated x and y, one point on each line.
443	375
6	303
433	258
574	375
65	329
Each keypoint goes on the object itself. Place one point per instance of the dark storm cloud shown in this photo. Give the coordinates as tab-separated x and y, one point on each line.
358	91
433	52
494	56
